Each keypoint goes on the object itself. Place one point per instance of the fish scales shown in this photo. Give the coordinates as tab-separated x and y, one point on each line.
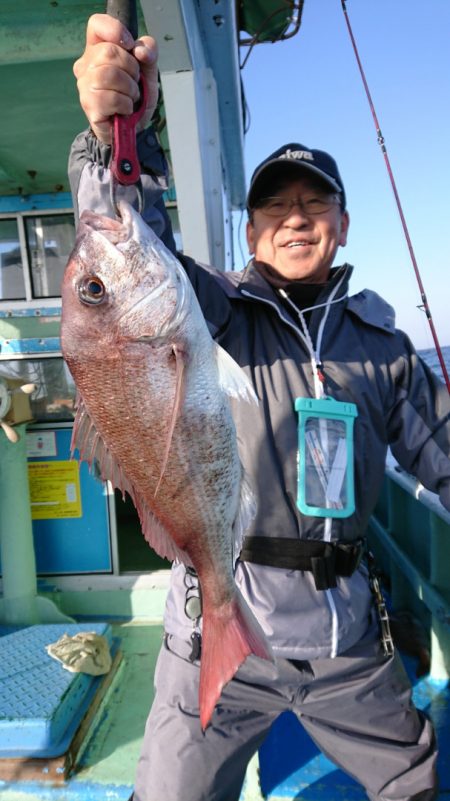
154	413
202	475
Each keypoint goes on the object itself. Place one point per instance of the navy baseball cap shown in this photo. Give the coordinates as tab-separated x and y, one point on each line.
286	160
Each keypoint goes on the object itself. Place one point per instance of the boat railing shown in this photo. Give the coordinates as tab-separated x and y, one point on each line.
409	534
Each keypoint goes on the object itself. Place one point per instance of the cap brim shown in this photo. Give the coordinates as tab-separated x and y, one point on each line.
277	166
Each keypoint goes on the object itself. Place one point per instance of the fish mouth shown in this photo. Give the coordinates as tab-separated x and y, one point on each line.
112	229
132	225
118	231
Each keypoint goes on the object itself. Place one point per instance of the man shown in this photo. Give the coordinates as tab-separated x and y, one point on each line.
288	320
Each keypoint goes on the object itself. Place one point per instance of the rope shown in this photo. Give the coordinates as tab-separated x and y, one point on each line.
382	144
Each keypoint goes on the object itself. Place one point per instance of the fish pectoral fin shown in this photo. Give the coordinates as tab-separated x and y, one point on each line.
180	361
232	378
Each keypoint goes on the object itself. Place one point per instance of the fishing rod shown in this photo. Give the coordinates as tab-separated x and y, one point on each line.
126	12
425	305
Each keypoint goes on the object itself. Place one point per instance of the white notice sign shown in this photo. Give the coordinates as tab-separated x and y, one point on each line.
41	443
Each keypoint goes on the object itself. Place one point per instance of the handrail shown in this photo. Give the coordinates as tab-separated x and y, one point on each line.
409	533
435	602
417	490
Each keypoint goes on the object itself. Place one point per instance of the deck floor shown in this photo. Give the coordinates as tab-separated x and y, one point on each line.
106	765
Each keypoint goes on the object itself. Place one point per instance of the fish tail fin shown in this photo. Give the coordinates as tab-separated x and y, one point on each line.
227	639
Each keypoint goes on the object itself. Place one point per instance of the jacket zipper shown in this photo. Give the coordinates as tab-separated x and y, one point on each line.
327	521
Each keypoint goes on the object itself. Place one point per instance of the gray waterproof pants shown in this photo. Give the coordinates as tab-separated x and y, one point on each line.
357	708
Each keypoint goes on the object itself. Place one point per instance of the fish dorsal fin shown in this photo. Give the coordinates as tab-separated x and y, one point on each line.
180	360
232	378
246	513
92	449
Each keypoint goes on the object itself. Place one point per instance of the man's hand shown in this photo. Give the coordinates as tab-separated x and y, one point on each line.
108	73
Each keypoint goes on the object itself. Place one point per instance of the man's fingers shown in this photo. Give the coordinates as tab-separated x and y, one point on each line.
103	131
108	73
146	52
106	54
100	108
104	28
109	79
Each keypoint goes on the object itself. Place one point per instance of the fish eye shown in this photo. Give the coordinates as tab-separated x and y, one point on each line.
91	290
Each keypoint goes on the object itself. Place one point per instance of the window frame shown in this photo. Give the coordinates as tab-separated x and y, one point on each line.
30	301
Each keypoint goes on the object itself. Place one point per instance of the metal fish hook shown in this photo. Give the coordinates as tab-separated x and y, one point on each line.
113	186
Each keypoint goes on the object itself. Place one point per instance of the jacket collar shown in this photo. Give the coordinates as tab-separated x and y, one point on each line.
366	305
251	282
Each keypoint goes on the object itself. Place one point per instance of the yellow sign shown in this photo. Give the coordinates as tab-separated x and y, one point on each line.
54	489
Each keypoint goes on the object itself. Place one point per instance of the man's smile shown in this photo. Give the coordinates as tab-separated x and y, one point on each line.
298	243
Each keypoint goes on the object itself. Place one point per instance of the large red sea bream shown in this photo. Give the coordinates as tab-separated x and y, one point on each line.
153	412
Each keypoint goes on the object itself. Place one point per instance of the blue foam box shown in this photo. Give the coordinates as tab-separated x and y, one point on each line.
41	703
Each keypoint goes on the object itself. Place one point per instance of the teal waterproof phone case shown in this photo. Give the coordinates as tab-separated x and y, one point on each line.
325	457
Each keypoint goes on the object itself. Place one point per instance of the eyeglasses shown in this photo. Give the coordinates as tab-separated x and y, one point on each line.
281	206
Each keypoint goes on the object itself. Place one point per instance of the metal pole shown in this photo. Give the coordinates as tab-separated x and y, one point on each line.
19	604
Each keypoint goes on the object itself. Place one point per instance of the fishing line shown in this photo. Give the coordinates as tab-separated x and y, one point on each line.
424	305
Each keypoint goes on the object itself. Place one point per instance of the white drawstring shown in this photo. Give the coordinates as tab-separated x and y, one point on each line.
306	336
314	353
320	393
331	300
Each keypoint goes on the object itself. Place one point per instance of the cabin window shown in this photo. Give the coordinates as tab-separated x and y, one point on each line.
49	240
54	397
12	283
34	250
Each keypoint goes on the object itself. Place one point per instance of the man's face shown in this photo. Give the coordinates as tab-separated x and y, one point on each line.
299	246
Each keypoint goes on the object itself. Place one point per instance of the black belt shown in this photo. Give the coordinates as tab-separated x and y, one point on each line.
325	560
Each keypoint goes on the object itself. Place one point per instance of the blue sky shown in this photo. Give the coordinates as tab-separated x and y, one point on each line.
308	90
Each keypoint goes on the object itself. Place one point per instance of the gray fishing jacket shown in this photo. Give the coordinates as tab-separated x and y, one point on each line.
366	361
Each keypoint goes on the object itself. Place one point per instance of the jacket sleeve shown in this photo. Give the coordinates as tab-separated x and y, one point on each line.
419	423
90	180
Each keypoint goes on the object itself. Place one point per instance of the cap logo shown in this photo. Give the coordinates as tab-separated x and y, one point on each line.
297	154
